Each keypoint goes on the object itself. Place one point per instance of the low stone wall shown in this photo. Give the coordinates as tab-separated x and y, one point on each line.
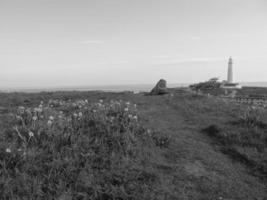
248	100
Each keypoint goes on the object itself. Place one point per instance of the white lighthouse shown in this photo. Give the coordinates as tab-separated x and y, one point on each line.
230	84
230	78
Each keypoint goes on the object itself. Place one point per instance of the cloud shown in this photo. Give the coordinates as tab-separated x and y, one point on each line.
92	42
195	37
119	62
189	60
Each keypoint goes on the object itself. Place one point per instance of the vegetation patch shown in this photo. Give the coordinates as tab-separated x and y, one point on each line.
245	140
77	150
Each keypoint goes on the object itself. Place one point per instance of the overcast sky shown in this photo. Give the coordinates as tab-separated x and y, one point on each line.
45	43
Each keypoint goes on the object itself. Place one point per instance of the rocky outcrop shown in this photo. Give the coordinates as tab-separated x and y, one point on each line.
160	88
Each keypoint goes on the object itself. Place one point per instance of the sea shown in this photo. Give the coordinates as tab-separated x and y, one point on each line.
114	88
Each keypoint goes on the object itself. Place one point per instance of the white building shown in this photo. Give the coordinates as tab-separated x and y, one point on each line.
230	84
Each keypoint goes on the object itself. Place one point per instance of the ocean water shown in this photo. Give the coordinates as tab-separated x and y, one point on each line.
254	84
115	88
105	88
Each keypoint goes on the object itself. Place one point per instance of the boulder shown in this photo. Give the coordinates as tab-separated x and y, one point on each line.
160	88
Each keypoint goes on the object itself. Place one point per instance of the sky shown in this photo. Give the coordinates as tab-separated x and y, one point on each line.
62	43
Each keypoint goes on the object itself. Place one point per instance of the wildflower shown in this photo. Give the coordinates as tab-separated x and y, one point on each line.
51	118
126	109
101	101
31	134
135	117
127	103
8	150
34	118
28	110
86	101
19	149
75	114
21	109
80	106
59	116
49	123
94	111
135	105
61	112
80	114
130	116
41	102
41	116
39	110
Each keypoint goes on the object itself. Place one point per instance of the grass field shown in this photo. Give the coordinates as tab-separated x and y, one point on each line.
96	145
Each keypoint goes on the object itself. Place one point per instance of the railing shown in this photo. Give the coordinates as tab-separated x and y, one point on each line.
249	100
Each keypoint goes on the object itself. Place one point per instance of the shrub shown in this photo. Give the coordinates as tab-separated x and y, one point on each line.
160	140
252	117
212	130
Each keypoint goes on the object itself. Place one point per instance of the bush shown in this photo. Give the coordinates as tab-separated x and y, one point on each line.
252	117
212	130
160	140
77	150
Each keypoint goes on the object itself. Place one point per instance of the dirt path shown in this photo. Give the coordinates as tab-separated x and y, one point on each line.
199	170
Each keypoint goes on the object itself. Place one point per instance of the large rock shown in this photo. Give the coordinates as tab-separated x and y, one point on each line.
160	88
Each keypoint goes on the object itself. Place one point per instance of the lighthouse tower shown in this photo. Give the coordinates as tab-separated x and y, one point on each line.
230	78
230	84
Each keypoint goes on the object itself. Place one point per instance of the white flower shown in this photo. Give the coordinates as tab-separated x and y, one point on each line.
21	108
8	150
86	101
80	114
49	123
34	118
61	112
135	117
101	101
130	116
75	115
94	111
253	107
80	106
51	118
41	102
126	109
31	134
127	103
38	110
111	119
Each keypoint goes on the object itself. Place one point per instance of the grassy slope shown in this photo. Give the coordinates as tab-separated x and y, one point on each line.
192	167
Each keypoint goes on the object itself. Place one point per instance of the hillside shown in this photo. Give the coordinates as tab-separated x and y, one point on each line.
201	148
